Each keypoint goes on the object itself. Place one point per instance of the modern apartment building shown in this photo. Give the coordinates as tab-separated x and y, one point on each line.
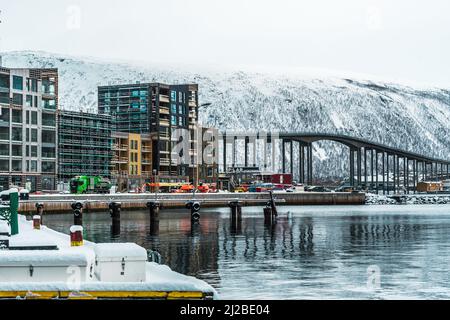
132	160
157	109
84	145
28	126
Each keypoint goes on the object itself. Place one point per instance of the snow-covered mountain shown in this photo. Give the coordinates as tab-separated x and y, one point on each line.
412	118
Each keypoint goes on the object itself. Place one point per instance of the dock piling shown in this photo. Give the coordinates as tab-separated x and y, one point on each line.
77	208
153	207
194	206
236	215
114	212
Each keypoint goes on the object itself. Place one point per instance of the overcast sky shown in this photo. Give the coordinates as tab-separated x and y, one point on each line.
396	40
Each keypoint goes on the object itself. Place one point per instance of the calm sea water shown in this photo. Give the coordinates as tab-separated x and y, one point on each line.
322	252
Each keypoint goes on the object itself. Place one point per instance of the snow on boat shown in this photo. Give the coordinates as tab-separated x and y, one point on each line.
40	263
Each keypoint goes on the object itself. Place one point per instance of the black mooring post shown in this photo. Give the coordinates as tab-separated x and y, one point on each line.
194	206
114	212
40	211
270	210
235	216
77	208
154	207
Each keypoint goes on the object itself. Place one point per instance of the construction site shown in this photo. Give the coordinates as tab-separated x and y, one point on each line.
85	144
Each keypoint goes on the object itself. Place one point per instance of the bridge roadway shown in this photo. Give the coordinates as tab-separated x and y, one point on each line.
367	159
62	202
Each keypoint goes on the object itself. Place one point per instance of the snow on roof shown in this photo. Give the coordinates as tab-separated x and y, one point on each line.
123	250
66	257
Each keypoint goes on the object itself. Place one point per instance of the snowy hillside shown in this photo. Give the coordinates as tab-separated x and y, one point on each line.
417	119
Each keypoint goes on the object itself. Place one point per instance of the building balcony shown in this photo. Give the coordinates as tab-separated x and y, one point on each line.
119	160
163	98
122	147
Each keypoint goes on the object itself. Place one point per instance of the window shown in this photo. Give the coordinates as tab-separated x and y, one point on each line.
17	99
48	119
48	87
31	85
4	81
34	135
4	149
4	133
173	120
34	151
48	104
173	95
33	167
16	116
48	167
16	134
135	93
48	136
180	97
4	165
16	150
33	117
29	102
5	115
17	83
4	97
48	152
16	165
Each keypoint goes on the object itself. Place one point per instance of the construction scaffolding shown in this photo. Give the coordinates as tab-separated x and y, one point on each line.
85	145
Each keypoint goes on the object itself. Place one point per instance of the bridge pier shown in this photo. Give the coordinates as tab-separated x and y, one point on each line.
292	157
365	169
352	167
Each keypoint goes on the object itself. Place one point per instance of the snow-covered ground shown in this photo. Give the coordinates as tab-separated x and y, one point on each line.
408	199
412	118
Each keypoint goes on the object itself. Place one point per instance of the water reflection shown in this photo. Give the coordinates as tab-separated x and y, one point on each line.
309	252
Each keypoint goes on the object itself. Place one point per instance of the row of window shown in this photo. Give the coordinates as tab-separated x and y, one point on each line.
30	151
180	109
48	119
32	101
30	83
31	166
31	135
134	169
181	121
48	86
133	157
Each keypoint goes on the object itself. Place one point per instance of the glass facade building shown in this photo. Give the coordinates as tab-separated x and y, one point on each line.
153	108
28	140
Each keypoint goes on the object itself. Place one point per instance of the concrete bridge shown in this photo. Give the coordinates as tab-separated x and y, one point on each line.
368	159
